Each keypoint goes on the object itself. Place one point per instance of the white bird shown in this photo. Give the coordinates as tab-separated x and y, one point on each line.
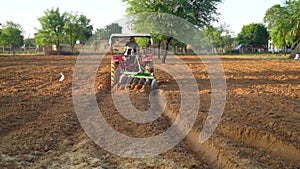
62	77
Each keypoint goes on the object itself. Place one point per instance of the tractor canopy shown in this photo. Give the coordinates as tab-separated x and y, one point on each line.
114	38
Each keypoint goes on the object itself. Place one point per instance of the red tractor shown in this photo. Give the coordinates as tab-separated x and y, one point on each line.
132	60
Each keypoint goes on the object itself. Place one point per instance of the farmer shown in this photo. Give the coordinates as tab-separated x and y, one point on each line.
133	45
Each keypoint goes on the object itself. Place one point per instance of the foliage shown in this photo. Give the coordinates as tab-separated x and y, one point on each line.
142	42
198	12
77	28
52	31
254	34
104	33
11	35
219	37
60	28
283	21
29	43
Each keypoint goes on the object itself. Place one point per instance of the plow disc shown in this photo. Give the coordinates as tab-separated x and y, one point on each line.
135	82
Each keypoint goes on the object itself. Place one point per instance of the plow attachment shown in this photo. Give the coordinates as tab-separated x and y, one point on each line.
123	79
137	82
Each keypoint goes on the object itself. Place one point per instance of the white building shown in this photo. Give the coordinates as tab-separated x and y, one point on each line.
274	49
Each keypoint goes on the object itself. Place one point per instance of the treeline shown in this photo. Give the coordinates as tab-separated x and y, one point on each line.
281	24
56	28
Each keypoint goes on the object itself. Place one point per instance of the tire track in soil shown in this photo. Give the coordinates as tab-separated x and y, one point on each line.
177	157
223	150
262	140
218	151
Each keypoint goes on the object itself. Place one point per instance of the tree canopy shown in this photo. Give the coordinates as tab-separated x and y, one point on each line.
104	33
199	13
283	21
219	37
254	34
11	35
77	28
52	30
60	28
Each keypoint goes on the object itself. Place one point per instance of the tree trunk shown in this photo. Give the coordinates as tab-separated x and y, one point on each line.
166	49
10	49
58	45
175	50
58	49
285	50
223	50
72	48
158	50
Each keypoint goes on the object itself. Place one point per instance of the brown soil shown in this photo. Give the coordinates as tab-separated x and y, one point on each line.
260	126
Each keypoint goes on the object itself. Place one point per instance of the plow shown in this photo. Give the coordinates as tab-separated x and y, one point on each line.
132	61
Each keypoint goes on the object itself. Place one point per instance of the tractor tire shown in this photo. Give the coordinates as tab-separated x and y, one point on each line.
114	74
149	68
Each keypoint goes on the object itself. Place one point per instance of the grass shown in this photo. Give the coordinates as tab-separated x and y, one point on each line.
23	54
258	56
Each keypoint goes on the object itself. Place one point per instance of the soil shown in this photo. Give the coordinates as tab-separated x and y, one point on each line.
260	126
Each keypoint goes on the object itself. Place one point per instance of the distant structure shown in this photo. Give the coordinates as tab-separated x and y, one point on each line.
274	49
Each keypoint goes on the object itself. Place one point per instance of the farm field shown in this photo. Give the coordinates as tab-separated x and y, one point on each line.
260	126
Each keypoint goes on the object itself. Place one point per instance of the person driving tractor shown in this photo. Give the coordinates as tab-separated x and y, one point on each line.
131	45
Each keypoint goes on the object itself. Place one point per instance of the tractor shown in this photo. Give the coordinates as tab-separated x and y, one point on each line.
132	64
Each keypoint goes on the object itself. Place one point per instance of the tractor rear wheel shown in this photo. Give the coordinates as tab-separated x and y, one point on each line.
114	73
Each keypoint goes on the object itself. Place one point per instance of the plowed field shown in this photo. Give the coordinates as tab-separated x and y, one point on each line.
260	126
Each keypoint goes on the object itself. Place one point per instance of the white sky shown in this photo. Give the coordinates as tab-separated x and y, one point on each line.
237	13
234	13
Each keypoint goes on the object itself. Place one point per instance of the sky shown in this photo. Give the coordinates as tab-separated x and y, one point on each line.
234	13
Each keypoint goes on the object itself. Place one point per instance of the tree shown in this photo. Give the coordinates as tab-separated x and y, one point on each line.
283	21
105	32
219	37
254	34
60	28
77	27
198	12
52	31
12	35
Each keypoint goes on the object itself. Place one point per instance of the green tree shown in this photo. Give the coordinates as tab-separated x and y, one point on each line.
77	27
28	43
283	21
254	34
104	33
11	35
219	38
52	31
198	12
